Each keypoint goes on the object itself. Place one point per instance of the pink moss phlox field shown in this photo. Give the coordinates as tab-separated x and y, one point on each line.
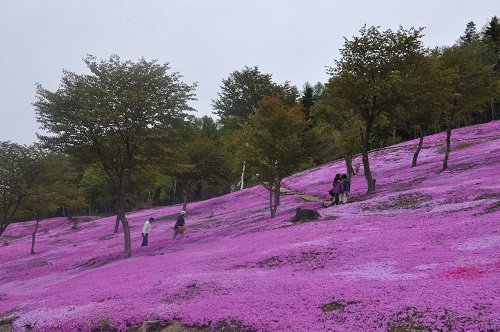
423	253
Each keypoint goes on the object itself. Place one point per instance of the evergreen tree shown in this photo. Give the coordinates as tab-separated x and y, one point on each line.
470	34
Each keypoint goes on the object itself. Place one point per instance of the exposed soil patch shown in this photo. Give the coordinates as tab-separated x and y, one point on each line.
492	208
337	305
6	327
313	259
403	201
413	319
195	289
304	215
107	237
233	326
96	262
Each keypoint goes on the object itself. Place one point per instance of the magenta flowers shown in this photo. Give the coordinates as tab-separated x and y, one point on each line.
422	252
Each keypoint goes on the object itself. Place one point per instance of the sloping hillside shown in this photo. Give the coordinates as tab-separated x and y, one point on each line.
420	254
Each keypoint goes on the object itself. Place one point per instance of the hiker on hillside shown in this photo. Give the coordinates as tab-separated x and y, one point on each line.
347	188
145	231
179	226
337	189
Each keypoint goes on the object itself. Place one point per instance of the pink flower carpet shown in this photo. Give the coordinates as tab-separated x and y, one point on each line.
421	254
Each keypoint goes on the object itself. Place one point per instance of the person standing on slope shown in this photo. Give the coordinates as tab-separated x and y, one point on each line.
179	226
145	231
336	190
347	188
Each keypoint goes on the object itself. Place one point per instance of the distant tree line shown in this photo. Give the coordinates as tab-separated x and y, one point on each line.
124	137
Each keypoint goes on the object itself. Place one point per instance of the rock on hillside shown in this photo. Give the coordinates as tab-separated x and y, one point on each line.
420	254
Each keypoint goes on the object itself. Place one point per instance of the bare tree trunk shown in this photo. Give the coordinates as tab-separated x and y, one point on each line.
271	199
492	105
33	237
449	125
120	216
117	208
3	227
276	192
419	147
348	165
184	199
366	161
448	148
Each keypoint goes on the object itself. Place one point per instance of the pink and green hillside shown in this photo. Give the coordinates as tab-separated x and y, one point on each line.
422	254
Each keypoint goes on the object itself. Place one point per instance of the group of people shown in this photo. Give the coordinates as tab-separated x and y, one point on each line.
179	228
339	193
340	190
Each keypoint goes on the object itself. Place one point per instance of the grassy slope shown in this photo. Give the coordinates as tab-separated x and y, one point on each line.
421	253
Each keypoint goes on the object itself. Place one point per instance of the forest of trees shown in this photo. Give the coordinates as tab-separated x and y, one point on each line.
124	137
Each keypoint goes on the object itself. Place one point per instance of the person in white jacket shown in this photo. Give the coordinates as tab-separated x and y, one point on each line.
145	231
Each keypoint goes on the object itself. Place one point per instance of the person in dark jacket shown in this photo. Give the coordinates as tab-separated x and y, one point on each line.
180	225
337	178
337	189
347	188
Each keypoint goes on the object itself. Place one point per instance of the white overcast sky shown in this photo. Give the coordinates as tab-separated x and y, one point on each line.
203	40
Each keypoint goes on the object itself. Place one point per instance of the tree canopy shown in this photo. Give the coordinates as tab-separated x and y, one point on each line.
19	169
112	116
279	142
369	75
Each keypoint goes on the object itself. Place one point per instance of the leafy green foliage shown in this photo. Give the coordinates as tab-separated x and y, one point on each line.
370	75
19	169
240	95
112	117
201	165
277	142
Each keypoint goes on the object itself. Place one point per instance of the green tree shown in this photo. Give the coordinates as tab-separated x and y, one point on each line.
112	117
19	169
369	76
470	34
310	95
277	143
98	192
240	95
470	89
491	34
426	91
37	205
491	37
208	126
333	116
42	199
200	163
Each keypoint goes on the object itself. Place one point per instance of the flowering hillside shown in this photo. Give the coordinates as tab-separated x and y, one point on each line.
422	254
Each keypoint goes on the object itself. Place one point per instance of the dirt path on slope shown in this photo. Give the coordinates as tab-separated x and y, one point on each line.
306	197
